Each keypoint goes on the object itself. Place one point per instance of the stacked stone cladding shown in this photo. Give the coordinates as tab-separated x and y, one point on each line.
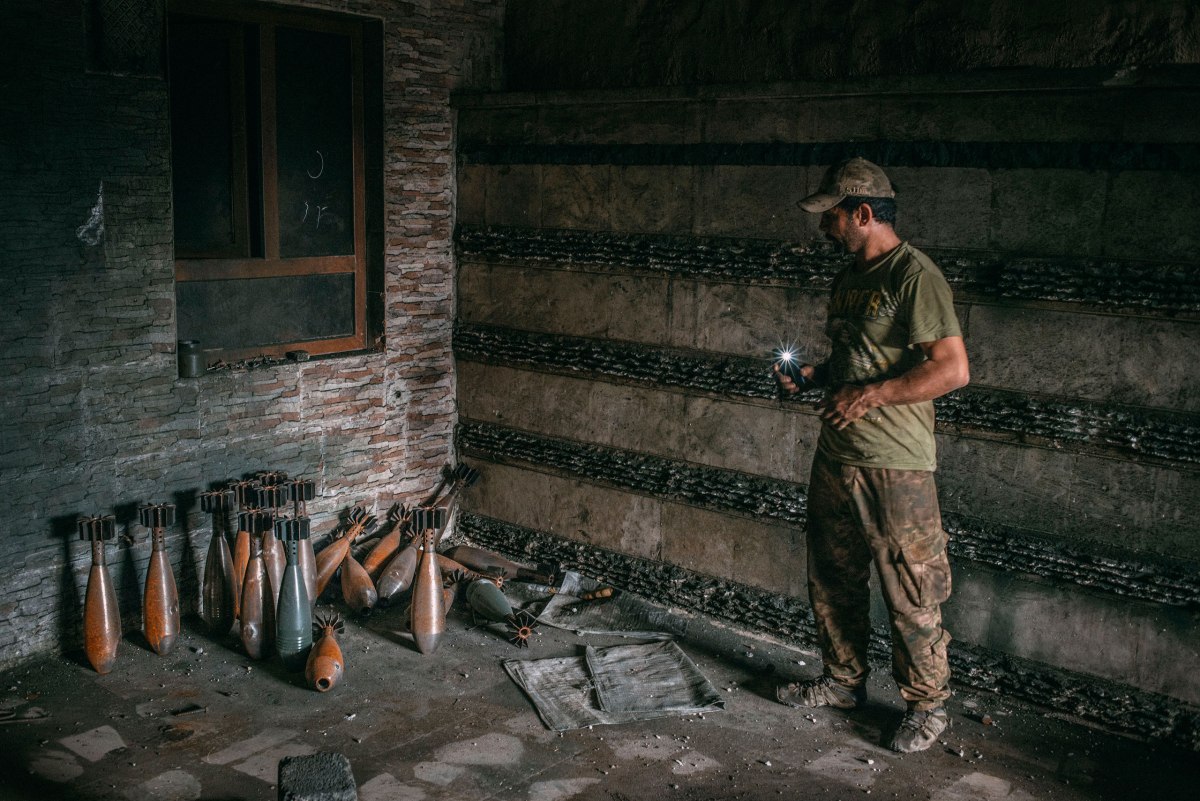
94	418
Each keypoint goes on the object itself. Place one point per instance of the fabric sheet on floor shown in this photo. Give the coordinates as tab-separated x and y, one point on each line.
617	684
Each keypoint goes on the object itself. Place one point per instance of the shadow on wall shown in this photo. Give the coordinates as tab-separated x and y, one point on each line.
70	605
129	587
189	571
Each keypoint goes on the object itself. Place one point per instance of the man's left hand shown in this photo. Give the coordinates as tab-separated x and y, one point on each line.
843	407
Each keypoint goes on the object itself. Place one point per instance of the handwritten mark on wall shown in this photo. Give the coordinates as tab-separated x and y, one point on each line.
320	210
92	231
320	170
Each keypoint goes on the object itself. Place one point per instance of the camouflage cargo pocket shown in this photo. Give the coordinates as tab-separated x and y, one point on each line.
924	571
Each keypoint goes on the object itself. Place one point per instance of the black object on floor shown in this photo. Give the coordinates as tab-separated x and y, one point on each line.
317	777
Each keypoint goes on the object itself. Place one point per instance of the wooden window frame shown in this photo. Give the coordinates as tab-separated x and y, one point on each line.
270	264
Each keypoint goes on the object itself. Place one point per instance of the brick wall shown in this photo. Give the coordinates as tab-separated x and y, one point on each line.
94	419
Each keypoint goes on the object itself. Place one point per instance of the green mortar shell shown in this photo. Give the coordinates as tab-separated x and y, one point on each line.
486	599
293	528
293	617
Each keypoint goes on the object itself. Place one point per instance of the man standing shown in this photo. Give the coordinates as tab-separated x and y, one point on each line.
896	345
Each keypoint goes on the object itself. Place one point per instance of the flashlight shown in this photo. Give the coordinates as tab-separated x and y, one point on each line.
789	365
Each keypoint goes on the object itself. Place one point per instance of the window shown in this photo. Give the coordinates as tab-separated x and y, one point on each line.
277	179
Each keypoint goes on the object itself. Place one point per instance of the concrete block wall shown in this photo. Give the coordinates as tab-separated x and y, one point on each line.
628	258
705	42
95	420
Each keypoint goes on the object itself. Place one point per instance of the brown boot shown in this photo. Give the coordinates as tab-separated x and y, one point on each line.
919	730
821	691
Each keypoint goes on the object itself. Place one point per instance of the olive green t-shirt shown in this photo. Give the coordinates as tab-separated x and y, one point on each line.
877	316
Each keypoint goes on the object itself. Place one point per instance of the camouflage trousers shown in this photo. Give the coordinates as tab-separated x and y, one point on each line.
860	515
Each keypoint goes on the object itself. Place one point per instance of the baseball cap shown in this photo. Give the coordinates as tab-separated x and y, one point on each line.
856	176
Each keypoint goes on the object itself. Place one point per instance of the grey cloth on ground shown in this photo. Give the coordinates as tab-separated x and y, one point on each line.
656	676
623	615
640	682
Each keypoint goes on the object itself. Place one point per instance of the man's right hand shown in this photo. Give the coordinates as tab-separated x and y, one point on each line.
785	381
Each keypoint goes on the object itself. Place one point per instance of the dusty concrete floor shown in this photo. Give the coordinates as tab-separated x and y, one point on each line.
452	725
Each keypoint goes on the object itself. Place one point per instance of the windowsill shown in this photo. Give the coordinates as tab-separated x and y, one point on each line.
265	362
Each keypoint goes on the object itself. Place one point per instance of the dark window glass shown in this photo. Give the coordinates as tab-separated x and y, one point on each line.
266	311
209	166
313	126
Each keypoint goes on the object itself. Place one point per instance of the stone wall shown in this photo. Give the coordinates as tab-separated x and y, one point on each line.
95	420
651	43
630	257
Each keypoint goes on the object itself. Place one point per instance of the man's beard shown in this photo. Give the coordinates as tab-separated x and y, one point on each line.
841	244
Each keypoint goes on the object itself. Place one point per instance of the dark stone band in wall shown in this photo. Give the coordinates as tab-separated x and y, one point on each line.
1169	437
1143	288
1111	704
707	487
704	372
927	153
810	265
1015	550
729	492
1170	289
